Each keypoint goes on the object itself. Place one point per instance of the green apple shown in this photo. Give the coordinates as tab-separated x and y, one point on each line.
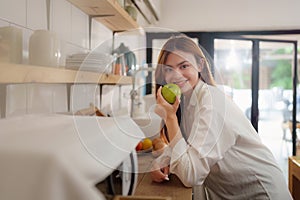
170	91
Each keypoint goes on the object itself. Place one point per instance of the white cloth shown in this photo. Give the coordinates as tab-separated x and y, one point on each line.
59	157
223	151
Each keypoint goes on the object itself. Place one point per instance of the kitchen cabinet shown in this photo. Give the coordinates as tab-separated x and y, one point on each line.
107	12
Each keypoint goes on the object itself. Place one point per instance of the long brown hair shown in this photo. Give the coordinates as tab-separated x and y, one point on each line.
185	44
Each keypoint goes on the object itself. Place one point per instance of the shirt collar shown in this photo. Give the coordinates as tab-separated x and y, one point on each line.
196	92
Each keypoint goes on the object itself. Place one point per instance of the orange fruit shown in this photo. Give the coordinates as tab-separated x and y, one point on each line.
156	140
159	145
147	143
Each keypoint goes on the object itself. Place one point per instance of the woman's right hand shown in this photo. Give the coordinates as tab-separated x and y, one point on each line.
164	109
160	174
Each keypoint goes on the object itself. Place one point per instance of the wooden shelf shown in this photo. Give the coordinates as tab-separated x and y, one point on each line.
16	73
108	12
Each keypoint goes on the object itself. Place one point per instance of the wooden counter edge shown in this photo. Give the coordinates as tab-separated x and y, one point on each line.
172	188
294	171
118	197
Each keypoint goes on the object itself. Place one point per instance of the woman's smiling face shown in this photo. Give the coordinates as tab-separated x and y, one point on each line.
181	69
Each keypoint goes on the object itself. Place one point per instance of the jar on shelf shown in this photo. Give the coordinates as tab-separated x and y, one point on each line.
132	11
44	48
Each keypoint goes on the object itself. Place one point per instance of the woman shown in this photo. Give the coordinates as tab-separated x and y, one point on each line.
211	142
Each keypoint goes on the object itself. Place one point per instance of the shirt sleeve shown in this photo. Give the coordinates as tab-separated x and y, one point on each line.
208	142
163	160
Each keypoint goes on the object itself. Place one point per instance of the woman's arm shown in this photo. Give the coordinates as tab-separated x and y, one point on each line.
208	141
210	138
167	112
160	167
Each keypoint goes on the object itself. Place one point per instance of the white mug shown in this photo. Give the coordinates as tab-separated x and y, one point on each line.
44	49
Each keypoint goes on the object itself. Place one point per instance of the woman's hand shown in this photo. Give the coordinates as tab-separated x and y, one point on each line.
164	109
167	112
159	174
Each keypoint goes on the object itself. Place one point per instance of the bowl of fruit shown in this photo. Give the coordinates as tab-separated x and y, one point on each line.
144	146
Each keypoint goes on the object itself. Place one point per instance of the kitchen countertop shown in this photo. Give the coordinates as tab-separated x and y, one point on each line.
52	157
146	187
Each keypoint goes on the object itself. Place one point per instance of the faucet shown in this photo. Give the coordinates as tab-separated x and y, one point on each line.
134	92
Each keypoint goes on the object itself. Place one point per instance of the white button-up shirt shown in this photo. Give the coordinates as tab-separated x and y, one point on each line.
223	151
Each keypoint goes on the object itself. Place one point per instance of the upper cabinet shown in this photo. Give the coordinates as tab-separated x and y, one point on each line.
108	12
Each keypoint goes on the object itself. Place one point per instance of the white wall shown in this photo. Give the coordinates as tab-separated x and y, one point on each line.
71	26
216	15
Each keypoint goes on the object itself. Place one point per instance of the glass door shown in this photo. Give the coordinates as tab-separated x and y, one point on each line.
233	65
276	98
259	75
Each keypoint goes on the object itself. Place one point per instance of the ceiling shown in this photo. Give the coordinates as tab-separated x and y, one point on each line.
232	16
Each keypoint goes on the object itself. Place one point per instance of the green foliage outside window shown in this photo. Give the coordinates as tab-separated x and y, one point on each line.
282	73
